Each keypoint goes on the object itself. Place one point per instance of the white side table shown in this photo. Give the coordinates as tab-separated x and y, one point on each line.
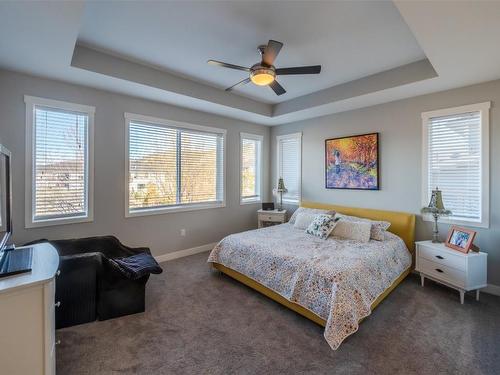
271	217
452	268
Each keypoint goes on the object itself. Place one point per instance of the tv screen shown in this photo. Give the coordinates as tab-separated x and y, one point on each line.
5	197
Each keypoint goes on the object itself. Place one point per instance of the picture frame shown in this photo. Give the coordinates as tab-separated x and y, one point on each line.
352	162
460	239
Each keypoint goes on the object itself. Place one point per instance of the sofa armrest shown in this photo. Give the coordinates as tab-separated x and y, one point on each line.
76	289
69	263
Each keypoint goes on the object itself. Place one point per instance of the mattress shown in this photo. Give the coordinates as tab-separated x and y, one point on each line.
336	279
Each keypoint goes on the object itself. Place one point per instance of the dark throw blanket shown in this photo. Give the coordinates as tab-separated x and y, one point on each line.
136	266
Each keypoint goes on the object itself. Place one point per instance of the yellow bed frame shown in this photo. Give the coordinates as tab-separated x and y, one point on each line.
402	224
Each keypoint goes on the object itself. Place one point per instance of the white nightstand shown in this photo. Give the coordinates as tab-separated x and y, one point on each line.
266	218
452	268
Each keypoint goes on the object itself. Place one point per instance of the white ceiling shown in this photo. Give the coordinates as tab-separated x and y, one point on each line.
158	50
349	39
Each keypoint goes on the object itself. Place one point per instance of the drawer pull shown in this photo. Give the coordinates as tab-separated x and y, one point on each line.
58	342
439	257
57	304
439	270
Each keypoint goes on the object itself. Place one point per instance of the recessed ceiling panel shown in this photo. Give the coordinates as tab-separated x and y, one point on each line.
350	40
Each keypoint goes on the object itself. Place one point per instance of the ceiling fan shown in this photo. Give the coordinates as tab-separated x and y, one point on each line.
264	73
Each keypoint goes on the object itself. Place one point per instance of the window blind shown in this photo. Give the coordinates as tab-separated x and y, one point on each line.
60	164
289	165
201	167
250	168
152	166
169	166
454	163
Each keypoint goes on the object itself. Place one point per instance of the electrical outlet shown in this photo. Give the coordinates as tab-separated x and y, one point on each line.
183	232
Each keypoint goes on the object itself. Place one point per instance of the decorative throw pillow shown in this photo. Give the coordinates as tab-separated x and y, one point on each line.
378	227
322	226
352	230
315	211
304	219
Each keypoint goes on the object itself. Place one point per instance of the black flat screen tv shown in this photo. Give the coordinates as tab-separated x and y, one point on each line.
12	262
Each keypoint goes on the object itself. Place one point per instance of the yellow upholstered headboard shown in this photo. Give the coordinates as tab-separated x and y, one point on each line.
402	223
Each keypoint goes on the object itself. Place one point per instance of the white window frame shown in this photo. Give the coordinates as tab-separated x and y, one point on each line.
131	117
484	110
258	174
31	103
297	136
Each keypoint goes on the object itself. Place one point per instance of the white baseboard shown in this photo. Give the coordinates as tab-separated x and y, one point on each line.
184	253
492	289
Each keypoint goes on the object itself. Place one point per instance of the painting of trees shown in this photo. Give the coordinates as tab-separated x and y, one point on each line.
352	162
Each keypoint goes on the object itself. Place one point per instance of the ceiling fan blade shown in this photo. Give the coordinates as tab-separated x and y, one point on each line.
271	52
313	69
244	82
277	88
226	65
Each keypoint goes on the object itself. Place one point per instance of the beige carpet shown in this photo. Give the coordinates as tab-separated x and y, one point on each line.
198	322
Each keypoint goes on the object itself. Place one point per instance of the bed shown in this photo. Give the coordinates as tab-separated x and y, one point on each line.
335	282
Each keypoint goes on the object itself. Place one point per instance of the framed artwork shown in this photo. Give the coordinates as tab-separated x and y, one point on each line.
352	162
460	239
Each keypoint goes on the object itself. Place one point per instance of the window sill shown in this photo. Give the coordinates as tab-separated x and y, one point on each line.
452	221
173	209
58	221
250	201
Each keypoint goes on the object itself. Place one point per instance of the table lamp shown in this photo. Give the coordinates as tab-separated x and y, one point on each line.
280	190
436	209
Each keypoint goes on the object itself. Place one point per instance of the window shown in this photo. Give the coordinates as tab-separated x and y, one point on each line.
250	168
289	165
456	159
173	166
59	162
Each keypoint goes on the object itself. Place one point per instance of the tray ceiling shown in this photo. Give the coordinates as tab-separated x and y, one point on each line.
350	40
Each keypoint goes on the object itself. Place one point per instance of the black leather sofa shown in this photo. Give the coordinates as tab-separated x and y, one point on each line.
89	287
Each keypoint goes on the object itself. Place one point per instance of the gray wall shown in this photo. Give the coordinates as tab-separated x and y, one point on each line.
400	130
400	127
160	232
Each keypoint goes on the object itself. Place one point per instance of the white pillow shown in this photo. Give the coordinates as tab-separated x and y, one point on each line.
378	227
353	230
304	219
315	211
322	226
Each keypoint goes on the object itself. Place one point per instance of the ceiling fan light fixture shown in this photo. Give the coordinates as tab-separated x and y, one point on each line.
264	72
262	76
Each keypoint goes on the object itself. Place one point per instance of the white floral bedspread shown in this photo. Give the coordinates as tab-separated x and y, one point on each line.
336	279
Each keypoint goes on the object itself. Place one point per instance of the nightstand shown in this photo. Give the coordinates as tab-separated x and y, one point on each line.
270	217
452	268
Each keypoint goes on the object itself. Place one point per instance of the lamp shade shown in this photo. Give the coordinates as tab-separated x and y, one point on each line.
436	204
281	186
436	200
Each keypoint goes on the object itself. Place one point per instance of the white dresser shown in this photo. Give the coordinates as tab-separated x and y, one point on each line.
27	321
452	268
